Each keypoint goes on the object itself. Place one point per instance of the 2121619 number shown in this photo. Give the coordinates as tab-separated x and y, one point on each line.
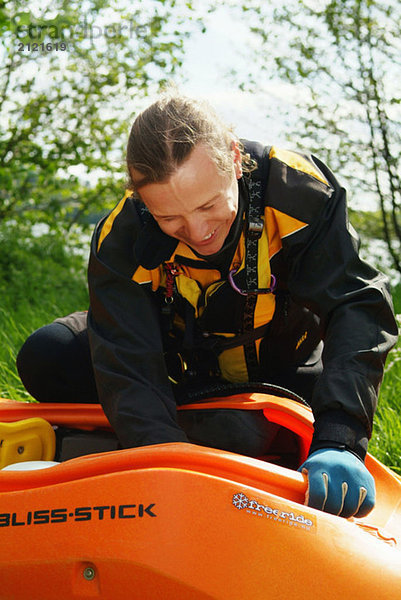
42	47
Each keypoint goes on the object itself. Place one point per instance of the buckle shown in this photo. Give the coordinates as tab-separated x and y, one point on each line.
255	227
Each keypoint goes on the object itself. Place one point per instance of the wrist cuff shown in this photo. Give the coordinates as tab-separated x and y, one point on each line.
338	429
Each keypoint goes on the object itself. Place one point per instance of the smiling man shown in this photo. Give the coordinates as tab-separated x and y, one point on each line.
228	260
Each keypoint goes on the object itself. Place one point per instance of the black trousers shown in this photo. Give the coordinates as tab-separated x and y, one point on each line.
55	365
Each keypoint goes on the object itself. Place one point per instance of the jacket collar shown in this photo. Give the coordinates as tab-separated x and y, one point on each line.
153	247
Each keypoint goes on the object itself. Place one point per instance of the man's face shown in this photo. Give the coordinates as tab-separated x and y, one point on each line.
198	204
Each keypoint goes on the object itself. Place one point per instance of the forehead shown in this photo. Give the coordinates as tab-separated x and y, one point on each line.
195	183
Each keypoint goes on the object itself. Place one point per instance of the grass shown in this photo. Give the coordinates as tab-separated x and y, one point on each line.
41	279
386	439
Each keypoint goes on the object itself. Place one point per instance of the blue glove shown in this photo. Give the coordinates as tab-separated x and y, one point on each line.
338	483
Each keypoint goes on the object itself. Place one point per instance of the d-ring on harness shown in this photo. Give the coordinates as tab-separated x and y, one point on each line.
268	290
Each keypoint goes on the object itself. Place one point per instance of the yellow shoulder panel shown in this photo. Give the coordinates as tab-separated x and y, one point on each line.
143	275
298	162
108	224
283	224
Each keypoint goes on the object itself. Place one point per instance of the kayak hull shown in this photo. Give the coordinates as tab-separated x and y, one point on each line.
182	521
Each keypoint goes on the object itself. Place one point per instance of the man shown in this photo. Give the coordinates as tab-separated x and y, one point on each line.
237	261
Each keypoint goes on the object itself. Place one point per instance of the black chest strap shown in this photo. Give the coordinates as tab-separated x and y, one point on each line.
254	231
253	234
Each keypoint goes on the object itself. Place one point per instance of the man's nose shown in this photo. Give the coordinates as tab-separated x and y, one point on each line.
197	228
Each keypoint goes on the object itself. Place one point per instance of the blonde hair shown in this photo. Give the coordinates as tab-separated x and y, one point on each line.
164	134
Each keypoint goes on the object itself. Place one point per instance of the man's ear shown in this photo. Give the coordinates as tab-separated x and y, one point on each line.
237	157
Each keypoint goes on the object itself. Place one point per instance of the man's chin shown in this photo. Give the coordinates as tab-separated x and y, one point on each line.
208	247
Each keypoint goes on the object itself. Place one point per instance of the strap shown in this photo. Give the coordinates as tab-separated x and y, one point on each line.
167	309
218	344
251	357
254	231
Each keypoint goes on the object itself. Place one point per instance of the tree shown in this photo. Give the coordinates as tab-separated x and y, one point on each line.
344	58
71	73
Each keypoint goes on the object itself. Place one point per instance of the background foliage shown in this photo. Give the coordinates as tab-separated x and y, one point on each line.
342	59
65	117
65	114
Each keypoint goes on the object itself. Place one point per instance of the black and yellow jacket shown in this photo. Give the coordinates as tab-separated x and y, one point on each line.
311	251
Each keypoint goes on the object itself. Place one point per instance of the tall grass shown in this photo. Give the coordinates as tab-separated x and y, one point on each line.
41	279
386	439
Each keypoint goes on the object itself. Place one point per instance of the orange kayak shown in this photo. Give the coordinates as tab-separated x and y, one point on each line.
179	521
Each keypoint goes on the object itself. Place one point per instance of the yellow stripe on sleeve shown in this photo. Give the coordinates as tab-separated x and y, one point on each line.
298	162
108	224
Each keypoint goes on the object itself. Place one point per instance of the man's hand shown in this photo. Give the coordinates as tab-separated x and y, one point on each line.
338	483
